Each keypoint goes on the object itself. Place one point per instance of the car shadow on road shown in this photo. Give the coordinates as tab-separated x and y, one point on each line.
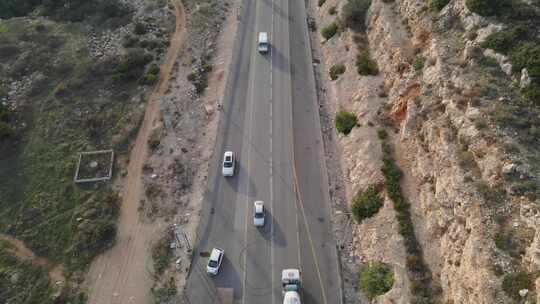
279	61
229	277
266	231
234	181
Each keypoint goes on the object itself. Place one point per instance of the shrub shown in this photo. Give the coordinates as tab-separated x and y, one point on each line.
329	31
531	94
482	7
345	121
132	64
366	65
332	10
419	63
504	40
336	70
366	204
140	28
514	282
354	14
375	279
527	55
437	5
161	254
381	133
321	3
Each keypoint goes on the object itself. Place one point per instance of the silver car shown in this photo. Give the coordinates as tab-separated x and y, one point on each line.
229	164
258	213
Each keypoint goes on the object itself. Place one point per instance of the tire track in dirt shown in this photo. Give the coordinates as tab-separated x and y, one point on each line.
120	275
21	252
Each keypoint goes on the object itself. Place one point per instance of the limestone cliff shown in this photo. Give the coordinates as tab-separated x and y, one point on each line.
438	89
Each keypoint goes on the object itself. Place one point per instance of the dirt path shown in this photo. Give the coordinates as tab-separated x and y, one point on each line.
121	275
19	250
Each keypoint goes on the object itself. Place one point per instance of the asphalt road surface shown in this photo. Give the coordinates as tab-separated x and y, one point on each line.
270	120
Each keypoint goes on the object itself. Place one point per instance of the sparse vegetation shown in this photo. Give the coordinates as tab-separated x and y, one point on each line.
365	65
329	31
77	104
366	204
332	10
422	287
112	13
336	70
161	254
354	13
199	77
504	40
375	279
166	293
151	75
131	66
345	121
514	282
437	5
23	283
419	63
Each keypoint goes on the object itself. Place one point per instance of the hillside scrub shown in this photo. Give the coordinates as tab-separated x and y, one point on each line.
329	31
354	14
437	5
345	122
22	282
366	204
422	286
375	279
104	12
336	70
78	103
365	65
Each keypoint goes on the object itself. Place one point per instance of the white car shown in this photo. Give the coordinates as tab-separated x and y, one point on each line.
263	45
229	164
216	257
258	213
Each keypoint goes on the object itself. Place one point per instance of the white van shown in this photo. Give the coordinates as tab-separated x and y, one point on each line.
263	44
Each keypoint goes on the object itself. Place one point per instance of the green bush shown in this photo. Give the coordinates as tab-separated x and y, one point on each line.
161	254
375	279
419	63
332	10
354	13
336	70
321	2
131	65
483	7
140	28
527	55
329	31
437	5
514	282
365	65
366	204
504	40
381	133
345	121
531	94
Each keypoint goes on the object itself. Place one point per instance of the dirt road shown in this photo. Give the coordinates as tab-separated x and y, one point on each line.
121	275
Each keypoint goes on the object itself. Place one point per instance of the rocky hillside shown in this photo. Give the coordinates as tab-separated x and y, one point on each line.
455	85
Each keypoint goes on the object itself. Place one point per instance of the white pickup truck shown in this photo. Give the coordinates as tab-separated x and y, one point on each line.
290	282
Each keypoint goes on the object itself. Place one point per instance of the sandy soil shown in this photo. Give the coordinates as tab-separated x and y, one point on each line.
19	250
121	275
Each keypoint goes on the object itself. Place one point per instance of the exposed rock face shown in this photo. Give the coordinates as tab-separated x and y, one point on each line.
452	167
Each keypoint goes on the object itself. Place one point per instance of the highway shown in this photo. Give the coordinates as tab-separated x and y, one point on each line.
270	120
